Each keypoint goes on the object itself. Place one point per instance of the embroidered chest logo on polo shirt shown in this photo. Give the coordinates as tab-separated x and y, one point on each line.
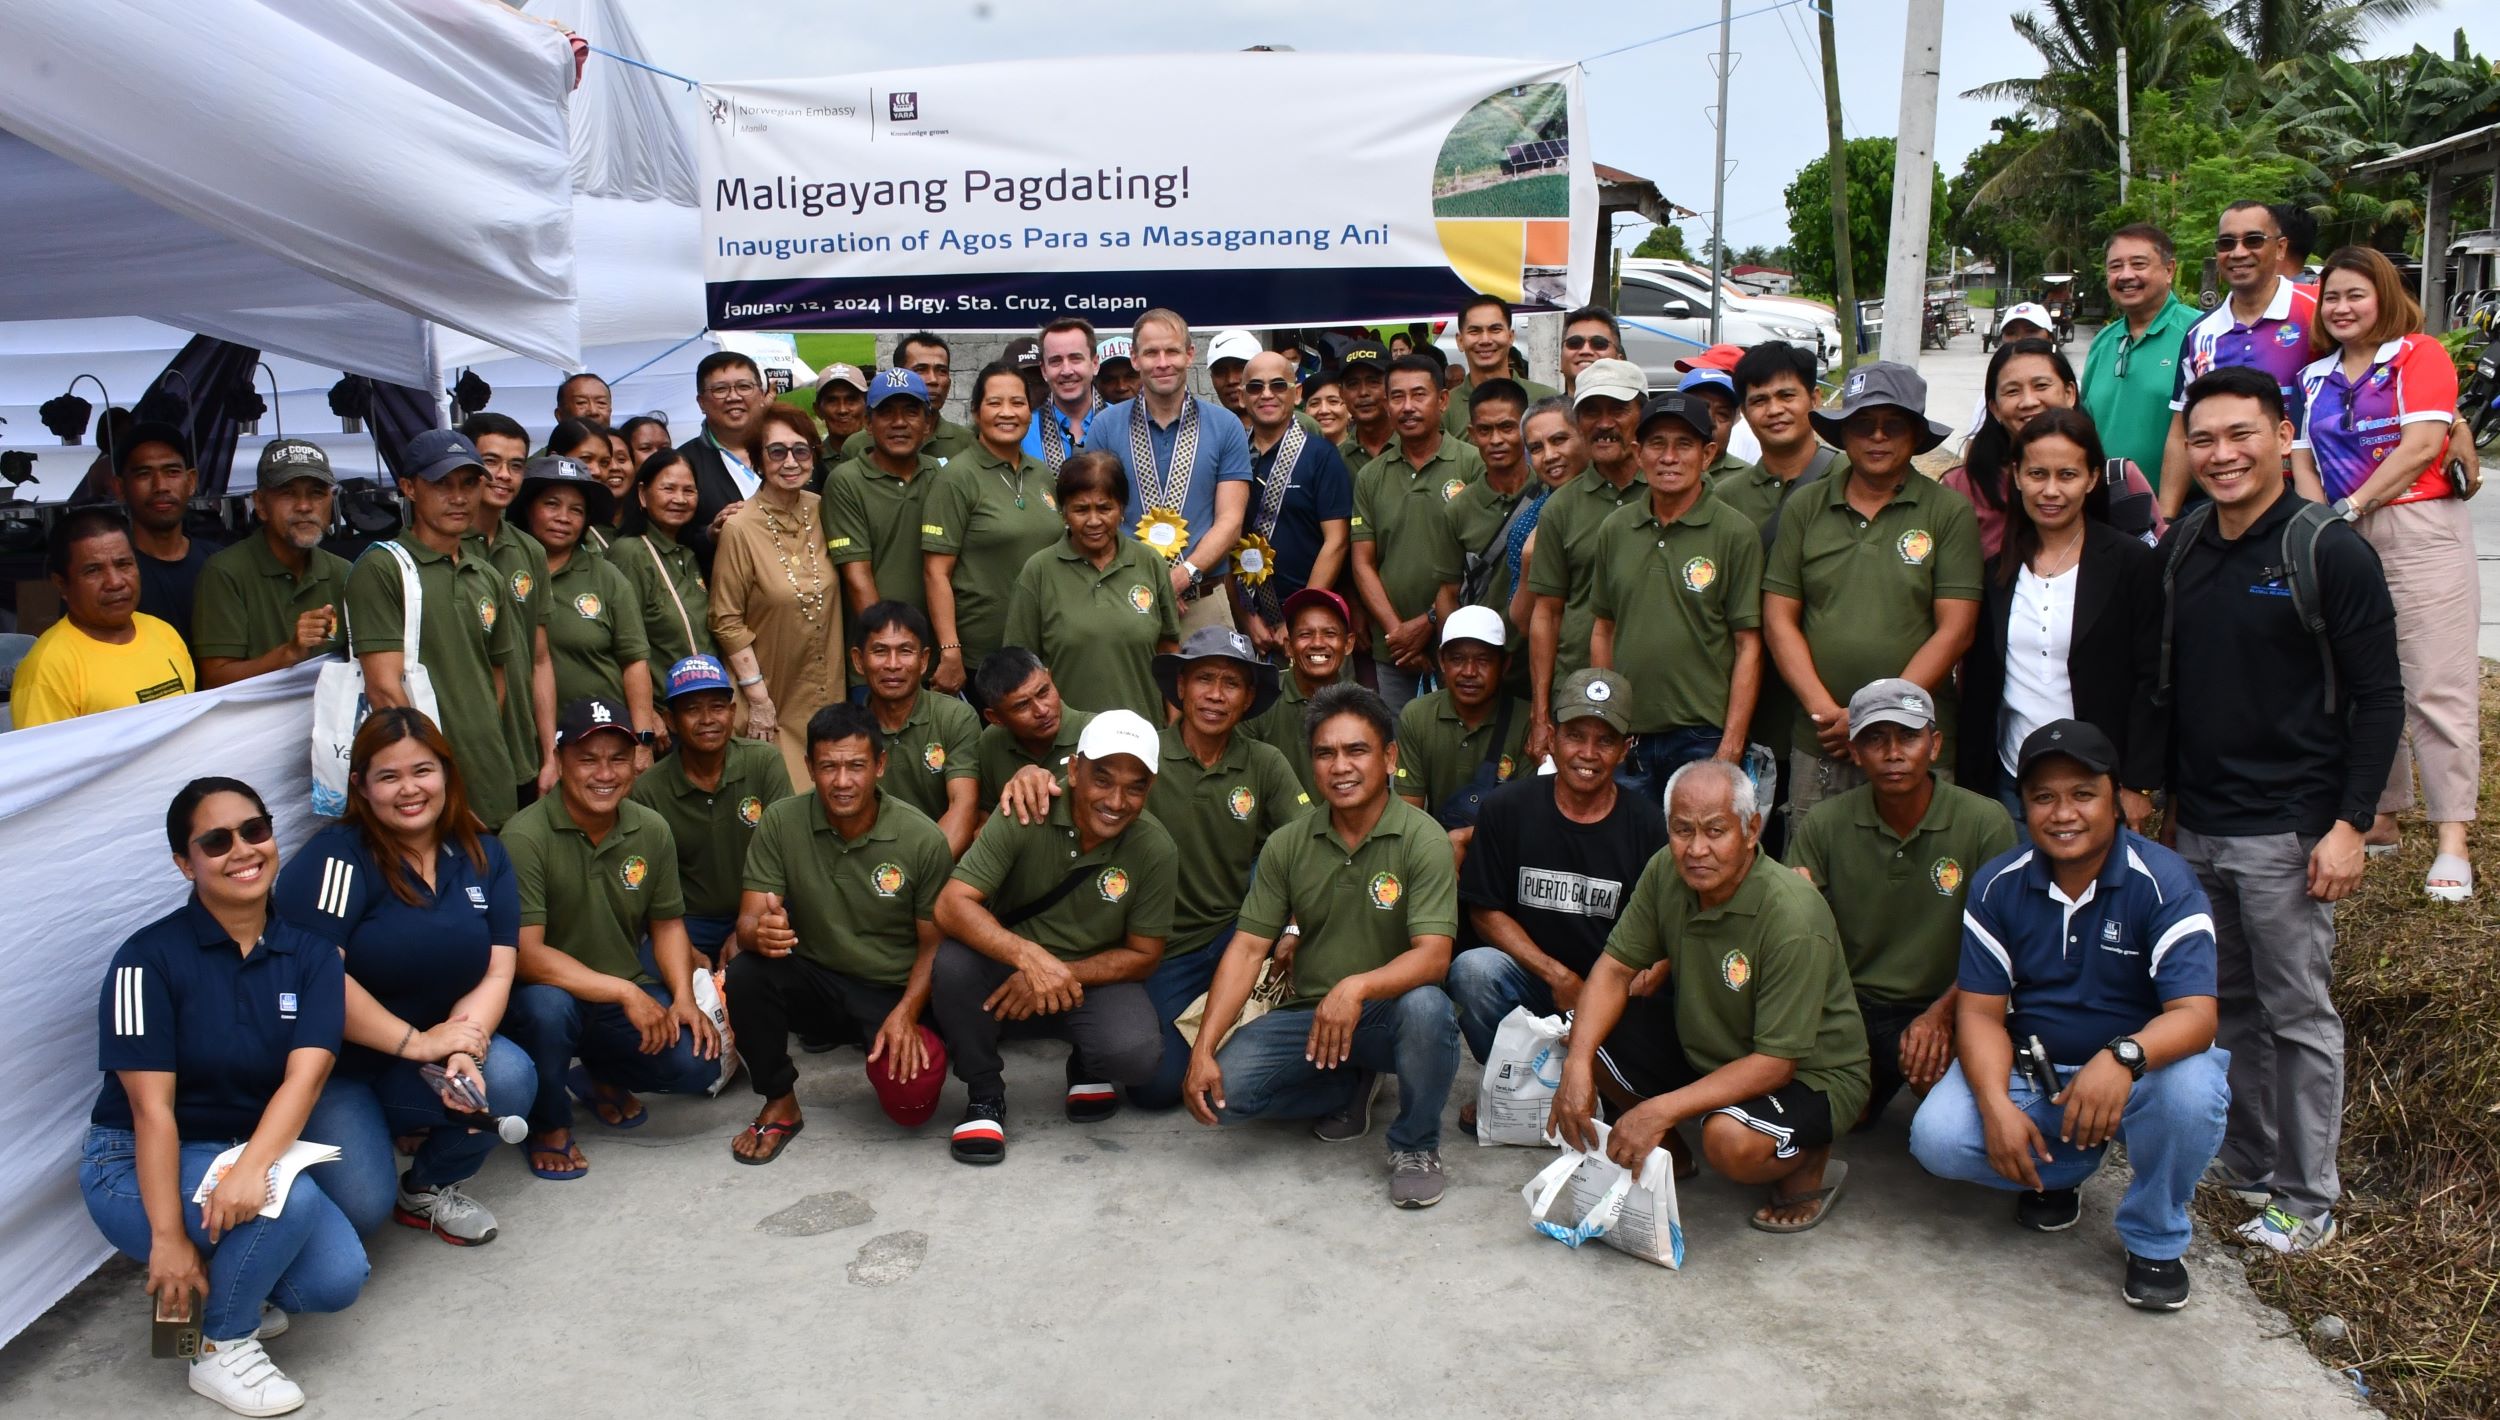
2288	334
1699	573
522	584
477	897
587	605
1946	874
1735	969
1451	489
1507	764
933	756
634	870
886	879
1386	890
1112	883
750	811
1050	500
1915	545
486	612
1140	599
1241	802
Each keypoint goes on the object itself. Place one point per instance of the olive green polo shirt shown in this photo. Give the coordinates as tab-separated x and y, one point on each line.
1097	627
594	628
1760	974
1477	516
1125	886
1218	815
1870	585
973	515
1400	508
1565	561
1001	756
664	630
1677	594
1280	727
522	560
715	828
1758	493
1350	448
1460	417
1438	755
939	744
248	600
1358	906
469	628
944	443
873	517
596	901
856	904
1899	900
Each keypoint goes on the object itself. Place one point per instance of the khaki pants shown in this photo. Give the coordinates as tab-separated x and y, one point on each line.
1812	778
2427	551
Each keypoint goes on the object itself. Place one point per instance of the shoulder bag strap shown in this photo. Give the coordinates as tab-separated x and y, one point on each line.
1501	732
671	583
411	603
1047	900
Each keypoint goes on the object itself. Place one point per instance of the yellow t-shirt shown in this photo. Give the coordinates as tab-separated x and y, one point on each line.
70	673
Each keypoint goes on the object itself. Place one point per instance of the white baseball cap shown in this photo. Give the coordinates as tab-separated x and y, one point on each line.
2031	311
1476	623
1614	379
1232	345
1114	347
1117	732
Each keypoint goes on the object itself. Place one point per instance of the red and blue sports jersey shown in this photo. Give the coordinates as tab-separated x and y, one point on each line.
2277	343
2351	426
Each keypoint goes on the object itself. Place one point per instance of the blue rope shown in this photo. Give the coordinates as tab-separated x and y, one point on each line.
1696	29
647	364
654	68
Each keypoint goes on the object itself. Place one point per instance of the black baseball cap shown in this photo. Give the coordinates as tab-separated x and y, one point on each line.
150	431
2075	740
588	716
1685	409
1364	352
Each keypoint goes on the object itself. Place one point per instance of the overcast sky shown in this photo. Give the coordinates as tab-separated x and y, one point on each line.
1646	106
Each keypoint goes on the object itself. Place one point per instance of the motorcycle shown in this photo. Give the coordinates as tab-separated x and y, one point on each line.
2478	412
2058	294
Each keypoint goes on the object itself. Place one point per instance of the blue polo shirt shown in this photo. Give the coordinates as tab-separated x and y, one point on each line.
2083	972
2277	342
180	997
1223	457
1083	438
418	959
1320	489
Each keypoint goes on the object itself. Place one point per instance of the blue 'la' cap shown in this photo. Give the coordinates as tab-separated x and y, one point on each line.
696	673
897	383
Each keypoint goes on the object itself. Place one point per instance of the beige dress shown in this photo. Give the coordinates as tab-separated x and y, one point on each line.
774	590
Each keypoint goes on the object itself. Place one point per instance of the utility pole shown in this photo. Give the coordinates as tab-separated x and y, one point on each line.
2126	129
1913	182
1718	186
1844	272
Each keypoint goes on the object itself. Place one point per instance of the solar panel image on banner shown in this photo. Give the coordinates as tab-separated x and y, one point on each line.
1542	153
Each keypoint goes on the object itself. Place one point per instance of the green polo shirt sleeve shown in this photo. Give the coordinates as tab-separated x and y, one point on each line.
667	885
220	613
1266	908
632	642
1431	881
1793	976
504	640
847	534
1639	939
1961	568
1366	521
1810	848
1784	571
991	857
1157	865
1024	608
768	868
525	842
948	512
1740	553
959	729
376	617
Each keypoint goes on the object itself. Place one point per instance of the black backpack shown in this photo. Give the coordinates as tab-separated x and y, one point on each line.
2298	566
2130	511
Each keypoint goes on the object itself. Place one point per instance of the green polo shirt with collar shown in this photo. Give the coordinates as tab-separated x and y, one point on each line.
594	628
991	517
715	828
1677	594
248	600
1438	755
1097	627
1455	420
1358	906
855	903
1565	561
596	901
1000	756
939	744
1760	974
1280	727
874	517
676	607
1401	509
1758	493
1870	585
1350	448
1125	888
1898	901
944	443
522	561
1218	815
468	629
1477	516
2127	383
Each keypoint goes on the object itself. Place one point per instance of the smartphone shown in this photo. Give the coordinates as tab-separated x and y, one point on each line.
2043	1074
176	1334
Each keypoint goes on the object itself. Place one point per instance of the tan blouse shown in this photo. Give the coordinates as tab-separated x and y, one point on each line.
773	589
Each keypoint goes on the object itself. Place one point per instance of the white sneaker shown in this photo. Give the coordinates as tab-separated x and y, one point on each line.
240	1376
447	1211
273	1322
2286	1234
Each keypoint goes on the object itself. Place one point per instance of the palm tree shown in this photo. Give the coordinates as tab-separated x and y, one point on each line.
2277	32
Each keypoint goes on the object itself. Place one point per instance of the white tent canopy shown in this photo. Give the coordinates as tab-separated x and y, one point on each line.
316	179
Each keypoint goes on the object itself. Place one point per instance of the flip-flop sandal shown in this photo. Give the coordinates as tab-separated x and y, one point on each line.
1835	1175
2381	850
1467	1121
592	1095
2459	875
778	1134
573	1168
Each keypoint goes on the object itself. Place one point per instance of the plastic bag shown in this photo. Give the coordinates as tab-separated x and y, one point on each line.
1581	1197
1521	1073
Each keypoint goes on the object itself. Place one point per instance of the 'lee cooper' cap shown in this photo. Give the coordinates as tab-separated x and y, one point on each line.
1598	694
590	715
1610	379
1476	623
1118	732
1684	409
694	675
2082	743
437	454
285	461
897	383
1891	701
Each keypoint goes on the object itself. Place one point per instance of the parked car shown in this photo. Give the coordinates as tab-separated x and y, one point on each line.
1694	280
1664	321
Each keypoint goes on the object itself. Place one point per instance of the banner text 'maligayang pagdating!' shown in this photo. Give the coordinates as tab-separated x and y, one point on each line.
1029	192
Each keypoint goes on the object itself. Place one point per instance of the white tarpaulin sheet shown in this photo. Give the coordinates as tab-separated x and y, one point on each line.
311	176
994	196
82	810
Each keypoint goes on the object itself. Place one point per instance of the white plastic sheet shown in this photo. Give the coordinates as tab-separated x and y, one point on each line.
83	864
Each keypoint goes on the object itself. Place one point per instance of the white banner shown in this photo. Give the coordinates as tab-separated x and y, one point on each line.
1240	189
83	864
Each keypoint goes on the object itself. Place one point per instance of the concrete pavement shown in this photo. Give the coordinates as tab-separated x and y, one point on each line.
1152	1267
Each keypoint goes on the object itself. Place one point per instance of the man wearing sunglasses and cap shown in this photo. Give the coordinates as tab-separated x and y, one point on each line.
272	600
1873	575
1606	406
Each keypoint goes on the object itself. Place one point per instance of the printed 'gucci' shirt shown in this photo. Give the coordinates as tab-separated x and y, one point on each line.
595	900
715	828
2350	427
1898	901
1358	905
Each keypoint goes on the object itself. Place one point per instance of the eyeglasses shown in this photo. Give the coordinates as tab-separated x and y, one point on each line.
1281	386
2245	241
218	842
787	453
733	390
1588	342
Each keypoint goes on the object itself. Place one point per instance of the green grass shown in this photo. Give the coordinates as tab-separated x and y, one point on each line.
1544	195
1484	133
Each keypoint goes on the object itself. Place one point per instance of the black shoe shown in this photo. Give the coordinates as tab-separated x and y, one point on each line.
2156	1286
817	1044
2052	1211
1355	1120
982	1137
1089	1101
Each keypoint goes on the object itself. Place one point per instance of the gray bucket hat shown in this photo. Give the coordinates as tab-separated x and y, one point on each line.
1218	643
1881	383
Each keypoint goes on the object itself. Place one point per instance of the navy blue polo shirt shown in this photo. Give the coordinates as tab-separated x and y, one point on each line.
1320	489
181	998
417	959
2086	971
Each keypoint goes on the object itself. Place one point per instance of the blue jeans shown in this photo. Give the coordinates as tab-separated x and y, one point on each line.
362	1116
554	1026
2172	1128
1485	984
1176	982
2012	798
1656	755
307	1259
706	933
1414	1037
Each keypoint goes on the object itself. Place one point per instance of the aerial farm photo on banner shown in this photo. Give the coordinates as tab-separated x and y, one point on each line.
990	197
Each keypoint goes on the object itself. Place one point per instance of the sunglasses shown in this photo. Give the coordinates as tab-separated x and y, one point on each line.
1263	386
218	842
787	453
1588	342
2245	241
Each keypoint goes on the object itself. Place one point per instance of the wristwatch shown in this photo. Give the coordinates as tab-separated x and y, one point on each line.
2129	1054
645	738
1196	573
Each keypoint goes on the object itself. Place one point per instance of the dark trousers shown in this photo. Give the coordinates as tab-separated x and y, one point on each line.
1113	1031
1177	981
556	1028
1657	754
769	997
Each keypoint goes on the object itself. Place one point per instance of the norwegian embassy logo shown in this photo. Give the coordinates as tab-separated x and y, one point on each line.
718	107
903	107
